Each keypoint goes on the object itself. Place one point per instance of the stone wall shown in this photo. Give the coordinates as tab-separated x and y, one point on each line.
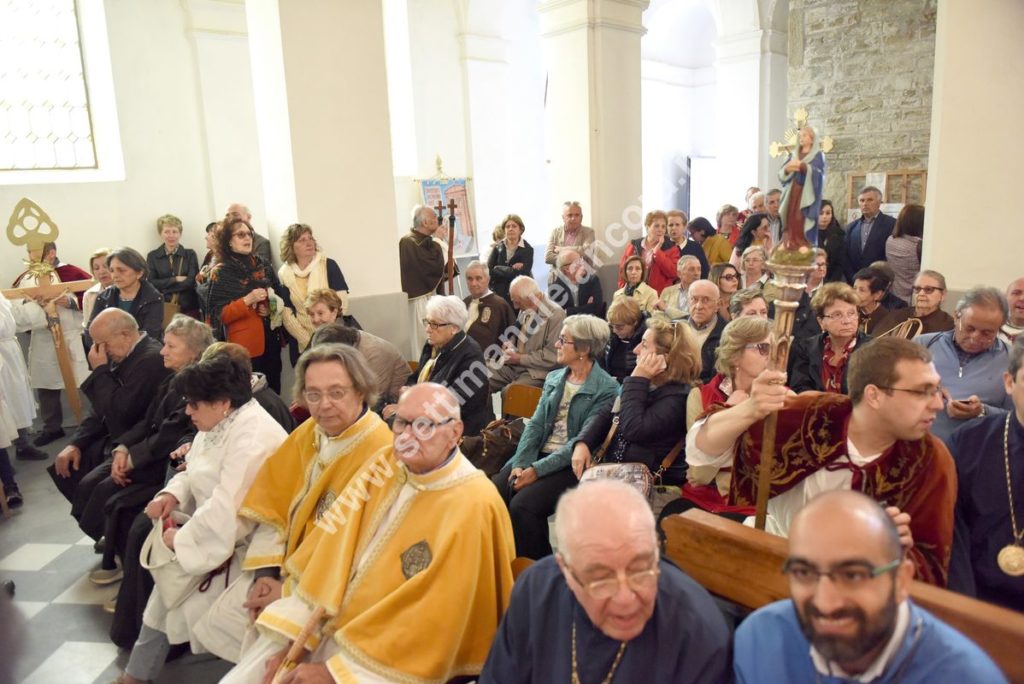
863	69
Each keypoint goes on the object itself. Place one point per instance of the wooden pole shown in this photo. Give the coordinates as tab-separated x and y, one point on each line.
451	245
295	651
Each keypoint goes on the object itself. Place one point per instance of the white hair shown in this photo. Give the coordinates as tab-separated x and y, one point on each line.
480	265
525	286
448	309
615	498
685	259
563	256
417	216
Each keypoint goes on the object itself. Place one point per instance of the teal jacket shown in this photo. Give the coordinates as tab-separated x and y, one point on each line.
598	391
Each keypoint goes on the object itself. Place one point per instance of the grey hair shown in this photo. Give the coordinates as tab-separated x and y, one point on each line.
563	257
933	274
754	197
589	333
525	286
772	193
742	298
986	298
479	264
417	216
130	258
870	188
350	358
196	335
819	252
601	490
449	309
572	203
750	250
685	259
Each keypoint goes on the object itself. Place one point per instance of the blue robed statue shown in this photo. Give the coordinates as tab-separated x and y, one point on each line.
803	181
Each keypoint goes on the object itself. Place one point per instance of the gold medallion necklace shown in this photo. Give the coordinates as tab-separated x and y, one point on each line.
611	672
1011	556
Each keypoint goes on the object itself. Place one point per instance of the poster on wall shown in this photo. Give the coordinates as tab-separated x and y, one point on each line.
444	190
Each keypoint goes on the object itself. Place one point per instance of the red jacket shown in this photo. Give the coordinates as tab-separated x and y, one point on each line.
663	267
244	326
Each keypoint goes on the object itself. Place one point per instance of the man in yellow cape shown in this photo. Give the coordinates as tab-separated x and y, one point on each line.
411	564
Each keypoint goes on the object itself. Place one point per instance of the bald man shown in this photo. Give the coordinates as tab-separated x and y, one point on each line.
260	244
412	560
850	617
607	604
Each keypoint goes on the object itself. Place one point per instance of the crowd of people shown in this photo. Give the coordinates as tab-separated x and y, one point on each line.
349	527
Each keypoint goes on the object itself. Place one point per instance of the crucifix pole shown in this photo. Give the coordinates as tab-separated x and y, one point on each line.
451	245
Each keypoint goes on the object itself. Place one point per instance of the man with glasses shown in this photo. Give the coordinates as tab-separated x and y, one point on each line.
876	441
928	294
850	617
411	563
971	360
606	607
706	323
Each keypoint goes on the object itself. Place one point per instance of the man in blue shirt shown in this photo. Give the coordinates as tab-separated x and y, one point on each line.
850	617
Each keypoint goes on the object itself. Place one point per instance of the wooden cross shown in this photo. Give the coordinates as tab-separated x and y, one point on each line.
451	244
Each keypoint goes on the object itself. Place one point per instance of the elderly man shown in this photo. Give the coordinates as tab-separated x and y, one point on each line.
988	557
572	233
411	564
675	299
706	323
576	287
771	205
528	352
971	360
127	367
260	244
929	292
860	625
865	237
422	261
1013	327
606	603
876	440
489	314
748	197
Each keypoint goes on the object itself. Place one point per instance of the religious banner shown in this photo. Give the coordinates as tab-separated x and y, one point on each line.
444	190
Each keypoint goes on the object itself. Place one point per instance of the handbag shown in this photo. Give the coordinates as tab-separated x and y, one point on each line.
173	307
172	582
494	446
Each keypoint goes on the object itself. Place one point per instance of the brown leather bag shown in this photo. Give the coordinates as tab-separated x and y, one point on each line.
494	446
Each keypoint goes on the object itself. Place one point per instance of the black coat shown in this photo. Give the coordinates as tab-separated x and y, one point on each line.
805	323
833	241
501	269
147	309
707	352
874	250
162	274
618	359
589	297
805	361
460	367
651	423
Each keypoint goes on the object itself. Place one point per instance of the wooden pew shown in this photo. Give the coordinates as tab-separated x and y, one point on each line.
744	565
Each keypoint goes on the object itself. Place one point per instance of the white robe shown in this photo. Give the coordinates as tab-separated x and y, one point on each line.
42	354
14	378
221	467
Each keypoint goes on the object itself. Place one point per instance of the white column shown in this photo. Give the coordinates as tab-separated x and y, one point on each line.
974	165
322	113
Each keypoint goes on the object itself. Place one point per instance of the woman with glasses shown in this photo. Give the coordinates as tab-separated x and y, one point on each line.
197	511
727	278
453	359
244	301
929	292
541	468
628	326
819	363
132	292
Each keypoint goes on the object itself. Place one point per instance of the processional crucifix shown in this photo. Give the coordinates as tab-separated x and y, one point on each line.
791	262
31	226
452	206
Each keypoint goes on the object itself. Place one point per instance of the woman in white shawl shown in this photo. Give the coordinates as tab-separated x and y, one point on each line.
235	437
305	269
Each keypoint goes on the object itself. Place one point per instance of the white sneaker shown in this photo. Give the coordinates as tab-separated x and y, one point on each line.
110	605
103	577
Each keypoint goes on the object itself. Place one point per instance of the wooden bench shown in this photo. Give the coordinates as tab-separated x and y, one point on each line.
521	400
744	565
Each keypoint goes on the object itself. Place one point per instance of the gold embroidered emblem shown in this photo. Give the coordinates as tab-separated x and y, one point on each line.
485	317
325	503
416	558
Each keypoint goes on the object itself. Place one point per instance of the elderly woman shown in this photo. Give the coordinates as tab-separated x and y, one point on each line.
540	471
646	418
131	292
336	385
511	257
674	301
657	251
240	297
752	262
929	293
748	302
235	437
634	273
820	362
727	278
305	269
173	268
627	326
755	233
455	360
323	306
872	285
101	274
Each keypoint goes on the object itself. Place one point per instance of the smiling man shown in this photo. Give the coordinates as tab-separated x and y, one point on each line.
606	604
850	617
876	440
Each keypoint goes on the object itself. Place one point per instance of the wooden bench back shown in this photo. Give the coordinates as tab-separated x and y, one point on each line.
744	565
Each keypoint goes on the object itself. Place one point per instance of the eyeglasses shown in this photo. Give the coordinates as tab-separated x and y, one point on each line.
845	576
422	427
604	589
848	316
926	393
335	395
562	341
926	289
729	276
434	325
242	234
763	348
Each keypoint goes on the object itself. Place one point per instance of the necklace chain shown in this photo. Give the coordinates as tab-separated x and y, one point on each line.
611	672
1017	536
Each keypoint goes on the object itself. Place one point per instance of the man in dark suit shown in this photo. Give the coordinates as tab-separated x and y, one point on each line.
489	314
576	287
865	237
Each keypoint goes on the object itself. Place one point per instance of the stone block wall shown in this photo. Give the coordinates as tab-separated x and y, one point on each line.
863	69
